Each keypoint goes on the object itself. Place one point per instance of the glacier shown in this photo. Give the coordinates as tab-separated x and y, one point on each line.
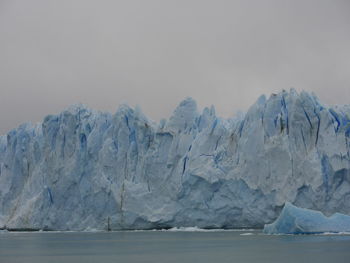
85	169
295	220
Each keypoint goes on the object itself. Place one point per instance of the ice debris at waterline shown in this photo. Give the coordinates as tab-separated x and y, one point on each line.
83	169
295	220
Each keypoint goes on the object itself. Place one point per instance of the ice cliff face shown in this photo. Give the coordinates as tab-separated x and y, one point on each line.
84	169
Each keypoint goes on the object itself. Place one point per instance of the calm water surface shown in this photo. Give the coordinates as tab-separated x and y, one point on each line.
166	246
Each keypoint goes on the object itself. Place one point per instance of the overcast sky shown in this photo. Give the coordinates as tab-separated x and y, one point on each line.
156	53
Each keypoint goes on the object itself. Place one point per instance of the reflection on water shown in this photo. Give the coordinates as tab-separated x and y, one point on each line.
172	246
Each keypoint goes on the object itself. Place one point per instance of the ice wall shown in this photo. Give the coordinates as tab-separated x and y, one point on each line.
84	169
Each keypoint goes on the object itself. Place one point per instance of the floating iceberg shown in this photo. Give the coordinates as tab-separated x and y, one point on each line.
83	169
295	220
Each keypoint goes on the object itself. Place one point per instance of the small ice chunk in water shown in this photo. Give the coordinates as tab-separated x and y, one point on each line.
295	220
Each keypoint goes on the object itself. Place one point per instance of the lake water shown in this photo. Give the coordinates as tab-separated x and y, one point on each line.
172	246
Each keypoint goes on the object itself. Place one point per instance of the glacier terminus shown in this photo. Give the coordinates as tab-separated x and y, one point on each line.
84	169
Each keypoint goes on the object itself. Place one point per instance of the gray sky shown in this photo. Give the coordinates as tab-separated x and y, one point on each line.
156	53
